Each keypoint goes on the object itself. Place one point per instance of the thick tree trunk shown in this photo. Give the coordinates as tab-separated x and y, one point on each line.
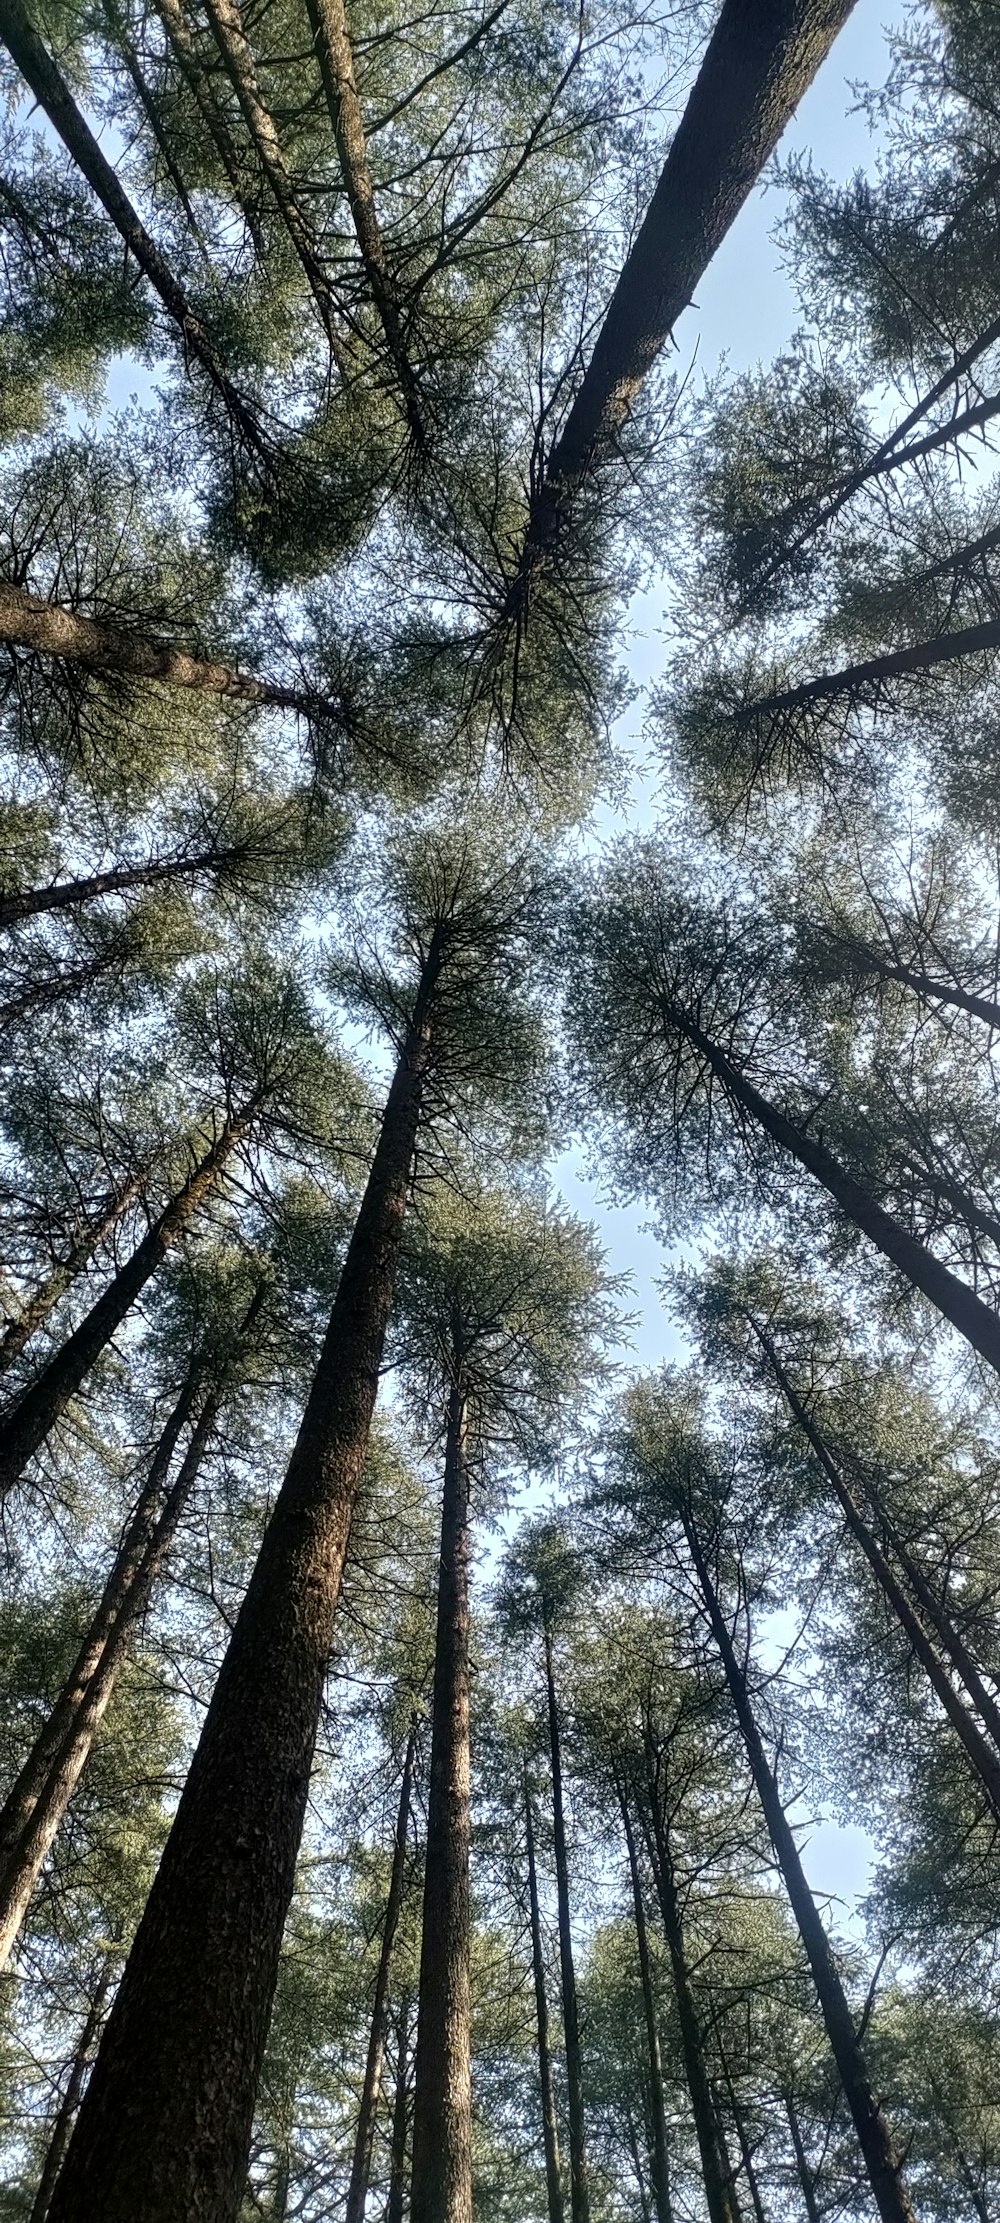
357	2191
37	1410
867	679
717	2175
27	621
36	1807
760	59
957	1303
164	2131
70	2101
579	2186
550	2128
983	1760
441	2183
657	2107
39	1307
53	95
881	2161
396	2195
806	2178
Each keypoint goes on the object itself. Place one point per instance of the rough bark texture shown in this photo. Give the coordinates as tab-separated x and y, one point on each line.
717	2175
400	2119
70	2101
26	621
164	2130
550	2128
951	1297
39	1307
28	1424
658	2114
881	2161
579	2188
441	2189
357	2191
53	95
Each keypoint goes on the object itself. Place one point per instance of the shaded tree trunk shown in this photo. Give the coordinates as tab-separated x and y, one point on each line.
182	44
550	2128
357	2192
70	2101
868	678
806	2178
37	1410
881	2161
441	2182
658	2112
400	2119
39	1307
73	894
164	2130
578	2179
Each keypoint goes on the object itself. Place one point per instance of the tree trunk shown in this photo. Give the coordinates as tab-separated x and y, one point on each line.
164	2131
70	981
658	2112
578	2179
441	2181
717	2175
873	674
171	15
37	1410
400	2119
357	2193
550	2128
805	2174
28	621
63	2124
39	1307
880	2159
73	894
984	1762
742	2134
923	985
956	1302
37	1805
53	95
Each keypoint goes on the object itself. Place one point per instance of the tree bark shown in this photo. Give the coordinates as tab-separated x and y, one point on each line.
876	671
357	2191
65	895
441	2183
53	95
37	1410
806	2178
952	1298
63	2124
984	1762
400	2119
550	2128
658	2113
923	984
717	2175
42	1304
172	17
881	2161
164	2131
579	2187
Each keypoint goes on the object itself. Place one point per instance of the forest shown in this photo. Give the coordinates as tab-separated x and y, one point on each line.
429	1667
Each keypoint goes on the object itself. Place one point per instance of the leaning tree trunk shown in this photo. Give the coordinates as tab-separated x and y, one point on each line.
53	95
578	2179
357	2191
199	85
441	2183
881	2161
42	1304
717	2175
70	2101
37	1410
37	1805
164	2130
64	895
400	2119
657	2107
865	681
550	2128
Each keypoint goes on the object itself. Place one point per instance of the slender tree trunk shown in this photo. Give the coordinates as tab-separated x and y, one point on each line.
73	894
881	2161
983	1760
53	95
42	1304
637	2169
742	2135
578	2177
550	2128
658	2112
716	2172
37	1410
876	671
913	976
441	2182
400	2119
183	46
68	982
357	2192
806	2178
28	621
164	2131
956	1302
70	2101
37	1805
